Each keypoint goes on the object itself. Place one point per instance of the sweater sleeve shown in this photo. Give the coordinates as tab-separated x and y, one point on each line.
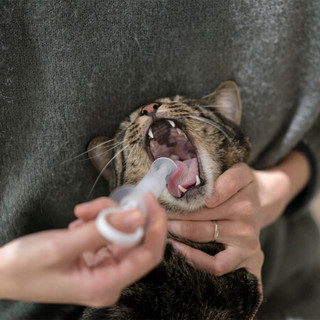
310	147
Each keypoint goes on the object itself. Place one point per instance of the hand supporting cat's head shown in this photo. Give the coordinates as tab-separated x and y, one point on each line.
202	136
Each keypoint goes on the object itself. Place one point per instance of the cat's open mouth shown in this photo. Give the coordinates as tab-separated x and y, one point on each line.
167	138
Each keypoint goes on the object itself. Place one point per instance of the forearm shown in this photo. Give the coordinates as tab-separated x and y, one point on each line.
286	181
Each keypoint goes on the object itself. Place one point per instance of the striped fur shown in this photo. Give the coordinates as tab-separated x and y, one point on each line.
176	290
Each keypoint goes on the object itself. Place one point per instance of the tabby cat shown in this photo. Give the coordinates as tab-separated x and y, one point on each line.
204	139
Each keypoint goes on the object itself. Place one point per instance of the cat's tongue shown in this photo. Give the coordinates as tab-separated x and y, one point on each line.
184	176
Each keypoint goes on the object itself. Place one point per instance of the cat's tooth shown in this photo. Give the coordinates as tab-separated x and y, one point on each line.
171	123
174	157
198	181
179	131
150	134
182	189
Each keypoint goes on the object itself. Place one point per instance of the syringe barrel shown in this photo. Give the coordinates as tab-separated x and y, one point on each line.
154	182
133	197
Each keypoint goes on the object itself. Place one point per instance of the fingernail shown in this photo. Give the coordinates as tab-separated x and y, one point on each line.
127	221
177	245
75	224
81	206
133	219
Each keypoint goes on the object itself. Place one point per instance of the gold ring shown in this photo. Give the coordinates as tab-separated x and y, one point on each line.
216	231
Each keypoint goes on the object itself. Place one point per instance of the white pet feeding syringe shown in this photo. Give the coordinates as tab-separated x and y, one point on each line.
129	197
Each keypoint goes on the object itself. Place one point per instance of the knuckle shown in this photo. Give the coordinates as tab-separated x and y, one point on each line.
247	207
230	182
245	169
261	257
218	268
246	231
102	200
100	296
255	245
250	235
187	229
252	240
244	208
53	252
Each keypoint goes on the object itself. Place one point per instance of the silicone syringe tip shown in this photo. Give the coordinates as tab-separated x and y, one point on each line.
133	197
169	165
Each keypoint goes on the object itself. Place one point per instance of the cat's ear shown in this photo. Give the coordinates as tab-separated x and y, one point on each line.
226	98
100	154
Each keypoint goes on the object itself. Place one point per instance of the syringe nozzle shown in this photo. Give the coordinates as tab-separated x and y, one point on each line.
165	163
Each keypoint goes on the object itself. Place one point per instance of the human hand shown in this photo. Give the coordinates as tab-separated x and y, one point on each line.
48	266
234	206
244	201
89	211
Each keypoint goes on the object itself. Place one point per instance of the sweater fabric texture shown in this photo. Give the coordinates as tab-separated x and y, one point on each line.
72	70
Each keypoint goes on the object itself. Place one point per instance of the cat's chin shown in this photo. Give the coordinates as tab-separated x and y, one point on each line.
192	200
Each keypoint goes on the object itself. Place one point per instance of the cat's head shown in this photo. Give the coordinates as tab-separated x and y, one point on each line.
203	137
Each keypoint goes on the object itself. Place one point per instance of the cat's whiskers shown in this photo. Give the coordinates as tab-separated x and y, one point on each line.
206	96
86	152
99	145
115	145
104	168
214	124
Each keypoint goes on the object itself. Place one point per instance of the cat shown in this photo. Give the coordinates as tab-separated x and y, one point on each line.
204	138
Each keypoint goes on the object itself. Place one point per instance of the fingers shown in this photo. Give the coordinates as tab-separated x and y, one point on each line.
237	206
199	231
196	258
223	262
207	231
85	236
76	224
128	221
136	263
150	253
92	259
229	183
89	210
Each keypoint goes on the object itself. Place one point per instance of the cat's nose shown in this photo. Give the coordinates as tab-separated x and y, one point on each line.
150	109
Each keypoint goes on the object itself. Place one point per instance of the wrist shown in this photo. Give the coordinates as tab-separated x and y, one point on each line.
274	189
295	167
281	184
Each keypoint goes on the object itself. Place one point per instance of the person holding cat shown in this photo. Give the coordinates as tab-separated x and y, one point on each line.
72	70
244	201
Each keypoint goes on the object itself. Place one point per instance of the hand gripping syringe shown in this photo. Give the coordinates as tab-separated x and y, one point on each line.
129	197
